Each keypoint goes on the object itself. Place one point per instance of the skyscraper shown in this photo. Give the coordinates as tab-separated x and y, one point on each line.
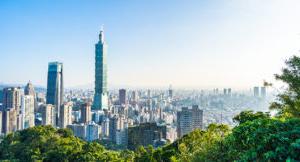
145	134
263	92
11	98
55	87
65	115
86	113
27	111
29	90
256	91
11	107
170	92
47	112
189	119
122	96
101	93
0	122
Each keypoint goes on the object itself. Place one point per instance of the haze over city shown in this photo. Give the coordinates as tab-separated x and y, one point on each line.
234	44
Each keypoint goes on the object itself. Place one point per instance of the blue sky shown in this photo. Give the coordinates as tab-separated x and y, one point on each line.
213	43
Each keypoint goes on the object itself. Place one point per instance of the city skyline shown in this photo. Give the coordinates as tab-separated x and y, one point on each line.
185	49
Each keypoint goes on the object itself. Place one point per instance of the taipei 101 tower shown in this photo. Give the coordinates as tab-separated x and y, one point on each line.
101	92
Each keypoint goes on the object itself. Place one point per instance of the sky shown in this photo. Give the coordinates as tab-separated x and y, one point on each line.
192	43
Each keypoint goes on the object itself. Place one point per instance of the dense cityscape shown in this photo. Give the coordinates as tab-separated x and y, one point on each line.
122	118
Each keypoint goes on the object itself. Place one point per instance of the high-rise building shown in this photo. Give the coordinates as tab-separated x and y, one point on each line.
0	123
184	122
27	111
145	134
113	127
79	130
92	131
116	123
29	90
48	117
105	127
256	91
122	96
224	91
86	112
229	91
101	92
65	115
197	117
134	98
9	121
55	87
11	108
188	120
11	98
263	92
170	92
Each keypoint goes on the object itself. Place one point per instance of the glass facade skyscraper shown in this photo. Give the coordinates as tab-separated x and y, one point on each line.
101	92
55	87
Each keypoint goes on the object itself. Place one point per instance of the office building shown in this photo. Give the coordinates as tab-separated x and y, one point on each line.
134	98
105	128
145	134
79	130
170	92
48	114
9	121
55	88
92	131
0	123
65	115
12	98
197	117
101	92
122	96
263	92
188	120
256	91
86	115
29	90
27	111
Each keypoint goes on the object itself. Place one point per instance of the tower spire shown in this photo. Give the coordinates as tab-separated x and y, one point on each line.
101	35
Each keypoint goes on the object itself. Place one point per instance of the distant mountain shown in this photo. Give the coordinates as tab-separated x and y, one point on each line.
36	88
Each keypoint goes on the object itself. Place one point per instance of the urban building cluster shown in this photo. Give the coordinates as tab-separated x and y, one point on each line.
124	118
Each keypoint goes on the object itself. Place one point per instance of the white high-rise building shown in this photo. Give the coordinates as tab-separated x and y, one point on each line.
105	127
65	115
48	115
27	111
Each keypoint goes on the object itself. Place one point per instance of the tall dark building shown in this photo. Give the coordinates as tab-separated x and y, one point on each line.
188	120
170	92
256	91
55	87
145	134
101	92
122	96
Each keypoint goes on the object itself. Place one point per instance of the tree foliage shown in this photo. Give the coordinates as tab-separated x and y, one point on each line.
288	102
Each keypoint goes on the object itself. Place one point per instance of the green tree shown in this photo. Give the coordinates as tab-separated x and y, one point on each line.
288	102
245	116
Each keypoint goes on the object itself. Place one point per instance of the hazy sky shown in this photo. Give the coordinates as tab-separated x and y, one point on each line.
213	43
